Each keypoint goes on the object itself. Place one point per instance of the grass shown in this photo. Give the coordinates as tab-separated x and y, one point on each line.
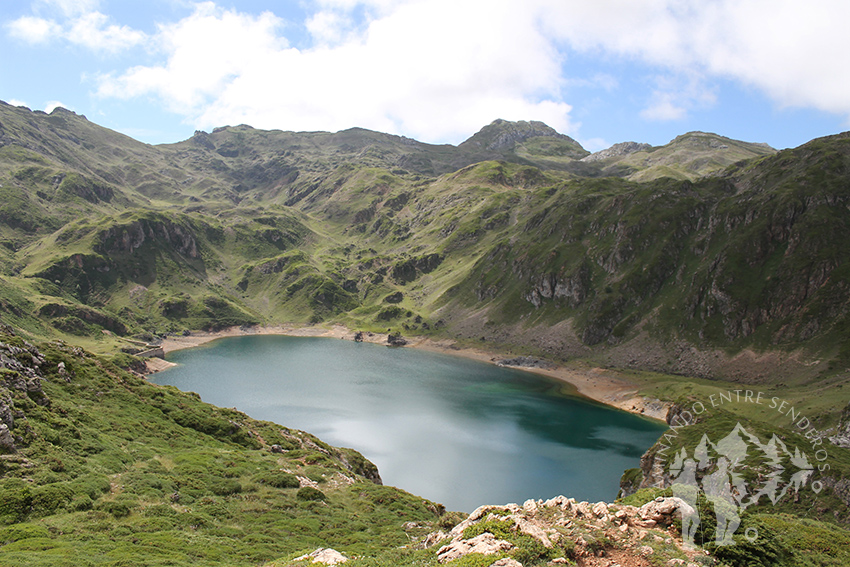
115	469
243	227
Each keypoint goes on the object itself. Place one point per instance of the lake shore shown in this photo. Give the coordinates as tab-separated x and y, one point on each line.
596	384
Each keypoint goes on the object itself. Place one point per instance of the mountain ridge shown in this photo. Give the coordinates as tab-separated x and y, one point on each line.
681	270
238	181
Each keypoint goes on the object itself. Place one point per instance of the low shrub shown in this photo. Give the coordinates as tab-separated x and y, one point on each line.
17	532
278	479
116	509
308	493
225	487
15	499
51	497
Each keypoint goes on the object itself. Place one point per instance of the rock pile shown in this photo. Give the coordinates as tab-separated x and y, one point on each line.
20	375
567	531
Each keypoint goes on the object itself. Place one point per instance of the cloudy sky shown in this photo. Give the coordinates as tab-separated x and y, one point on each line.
602	71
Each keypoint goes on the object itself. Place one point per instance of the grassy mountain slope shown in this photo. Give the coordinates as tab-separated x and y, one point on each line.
99	467
243	226
687	157
103	468
690	259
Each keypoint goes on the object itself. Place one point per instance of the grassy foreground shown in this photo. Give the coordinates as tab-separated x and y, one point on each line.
112	470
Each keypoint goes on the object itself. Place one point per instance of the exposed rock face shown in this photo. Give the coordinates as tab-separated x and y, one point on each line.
130	237
21	376
327	556
504	135
396	340
409	270
485	544
573	528
842	431
525	362
735	253
573	287
86	314
396	297
617	150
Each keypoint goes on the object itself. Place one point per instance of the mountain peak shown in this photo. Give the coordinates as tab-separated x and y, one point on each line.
504	134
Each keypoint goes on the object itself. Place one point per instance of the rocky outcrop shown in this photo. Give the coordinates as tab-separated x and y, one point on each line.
127	238
617	150
90	190
502	135
573	287
395	339
395	297
20	375
327	556
485	544
568	531
525	362
86	314
411	269
841	435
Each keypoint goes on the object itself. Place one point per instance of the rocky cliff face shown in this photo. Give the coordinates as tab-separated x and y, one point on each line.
745	259
20	378
617	150
502	134
127	238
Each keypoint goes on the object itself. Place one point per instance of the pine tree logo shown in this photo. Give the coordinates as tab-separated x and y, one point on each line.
720	472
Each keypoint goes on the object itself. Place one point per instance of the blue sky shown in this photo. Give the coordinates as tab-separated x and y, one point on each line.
605	71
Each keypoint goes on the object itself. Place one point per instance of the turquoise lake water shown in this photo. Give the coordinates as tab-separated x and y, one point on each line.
455	431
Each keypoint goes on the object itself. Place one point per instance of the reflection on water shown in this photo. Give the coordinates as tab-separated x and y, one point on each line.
456	431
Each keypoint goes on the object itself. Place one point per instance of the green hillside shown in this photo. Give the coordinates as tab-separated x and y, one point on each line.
693	254
702	264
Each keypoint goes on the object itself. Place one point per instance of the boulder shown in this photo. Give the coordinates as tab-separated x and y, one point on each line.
7	442
396	340
485	544
327	556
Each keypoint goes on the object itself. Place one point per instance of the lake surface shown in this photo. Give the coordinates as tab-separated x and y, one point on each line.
456	431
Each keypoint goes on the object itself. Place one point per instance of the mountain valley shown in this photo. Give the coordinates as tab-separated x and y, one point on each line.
704	265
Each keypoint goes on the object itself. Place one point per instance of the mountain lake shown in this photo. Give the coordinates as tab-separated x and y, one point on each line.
455	431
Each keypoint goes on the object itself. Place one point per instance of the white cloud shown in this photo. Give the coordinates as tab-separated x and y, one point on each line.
792	51
206	51
33	30
439	69
663	109
70	7
92	30
81	26
328	27
16	102
436	70
676	95
52	105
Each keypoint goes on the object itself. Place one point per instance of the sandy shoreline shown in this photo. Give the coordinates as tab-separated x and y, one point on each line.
596	384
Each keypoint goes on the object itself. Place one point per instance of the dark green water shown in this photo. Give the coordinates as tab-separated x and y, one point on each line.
455	431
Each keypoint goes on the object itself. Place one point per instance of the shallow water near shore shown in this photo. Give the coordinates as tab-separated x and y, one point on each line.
453	430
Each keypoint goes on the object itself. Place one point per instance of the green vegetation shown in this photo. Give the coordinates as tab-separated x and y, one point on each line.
707	264
110	468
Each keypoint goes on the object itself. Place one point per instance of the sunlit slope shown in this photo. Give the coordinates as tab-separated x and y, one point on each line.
241	226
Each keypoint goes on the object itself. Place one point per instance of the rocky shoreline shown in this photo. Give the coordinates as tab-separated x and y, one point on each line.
596	384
